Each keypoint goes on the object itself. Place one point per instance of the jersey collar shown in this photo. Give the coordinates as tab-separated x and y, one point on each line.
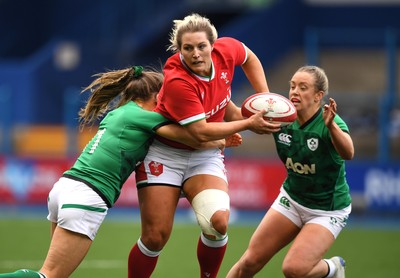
311	119
203	78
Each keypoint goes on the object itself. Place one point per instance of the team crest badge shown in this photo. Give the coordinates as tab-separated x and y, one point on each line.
224	76
312	143
156	168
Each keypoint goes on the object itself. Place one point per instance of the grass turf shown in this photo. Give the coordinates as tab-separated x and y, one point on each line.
369	253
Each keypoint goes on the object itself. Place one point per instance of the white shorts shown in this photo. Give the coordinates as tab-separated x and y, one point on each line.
300	215
74	206
171	166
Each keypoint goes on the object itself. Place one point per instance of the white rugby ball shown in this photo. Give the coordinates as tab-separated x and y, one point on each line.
278	108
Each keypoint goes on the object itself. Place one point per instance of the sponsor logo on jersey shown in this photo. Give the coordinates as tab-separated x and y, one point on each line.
156	168
300	168
284	138
220	106
283	201
312	143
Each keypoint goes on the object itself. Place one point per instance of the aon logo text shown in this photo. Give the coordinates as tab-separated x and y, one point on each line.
300	168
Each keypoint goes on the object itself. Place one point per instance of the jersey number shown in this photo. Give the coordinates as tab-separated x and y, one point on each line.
96	142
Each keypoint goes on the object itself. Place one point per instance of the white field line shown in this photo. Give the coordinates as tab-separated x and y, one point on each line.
36	264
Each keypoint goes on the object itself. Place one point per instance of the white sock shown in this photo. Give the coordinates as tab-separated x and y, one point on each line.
214	243
332	268
147	251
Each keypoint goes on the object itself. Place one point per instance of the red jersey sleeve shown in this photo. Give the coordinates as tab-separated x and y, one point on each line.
233	49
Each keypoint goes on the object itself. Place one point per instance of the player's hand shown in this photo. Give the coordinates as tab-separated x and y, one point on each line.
260	126
329	112
234	140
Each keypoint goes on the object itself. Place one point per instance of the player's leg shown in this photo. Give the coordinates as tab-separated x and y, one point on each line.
76	212
157	210
66	252
210	201
28	273
79	212
273	233
305	257
159	180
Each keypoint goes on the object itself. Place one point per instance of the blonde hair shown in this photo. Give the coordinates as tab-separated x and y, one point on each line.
115	88
191	23
321	80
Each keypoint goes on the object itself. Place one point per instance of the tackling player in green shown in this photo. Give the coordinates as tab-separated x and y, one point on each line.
79	201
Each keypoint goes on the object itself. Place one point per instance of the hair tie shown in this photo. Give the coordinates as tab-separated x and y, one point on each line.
137	71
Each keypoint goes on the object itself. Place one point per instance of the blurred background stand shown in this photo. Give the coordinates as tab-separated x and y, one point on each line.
5	121
71	108
387	38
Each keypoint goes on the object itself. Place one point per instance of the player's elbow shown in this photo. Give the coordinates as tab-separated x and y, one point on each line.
348	154
347	157
345	148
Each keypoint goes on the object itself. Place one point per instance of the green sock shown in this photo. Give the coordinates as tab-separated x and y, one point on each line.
23	273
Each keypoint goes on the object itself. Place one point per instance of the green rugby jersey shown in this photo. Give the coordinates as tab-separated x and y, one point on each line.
121	143
316	176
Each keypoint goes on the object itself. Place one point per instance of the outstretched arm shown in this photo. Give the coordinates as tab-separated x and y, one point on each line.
341	140
204	131
180	134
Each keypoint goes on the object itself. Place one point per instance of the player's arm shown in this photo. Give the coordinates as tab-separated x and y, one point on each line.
254	72
204	131
341	140
180	134
232	112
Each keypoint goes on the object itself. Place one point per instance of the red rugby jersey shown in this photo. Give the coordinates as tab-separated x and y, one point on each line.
186	97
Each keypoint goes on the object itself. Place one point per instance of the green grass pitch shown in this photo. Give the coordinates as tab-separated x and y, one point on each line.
370	253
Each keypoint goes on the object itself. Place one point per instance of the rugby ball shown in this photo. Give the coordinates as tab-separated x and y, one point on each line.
278	108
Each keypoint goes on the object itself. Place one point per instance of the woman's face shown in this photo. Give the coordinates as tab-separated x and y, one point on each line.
302	91
196	51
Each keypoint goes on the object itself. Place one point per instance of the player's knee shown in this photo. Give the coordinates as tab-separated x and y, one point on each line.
220	220
294	269
212	212
251	265
155	240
